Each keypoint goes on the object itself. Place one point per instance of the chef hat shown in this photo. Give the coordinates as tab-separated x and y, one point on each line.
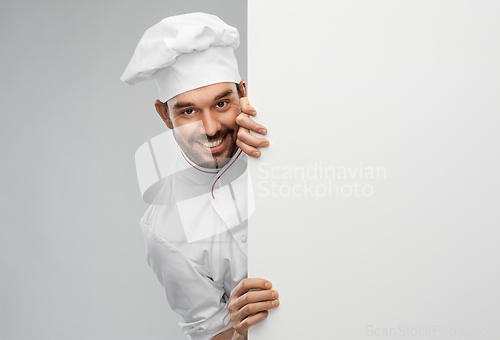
185	52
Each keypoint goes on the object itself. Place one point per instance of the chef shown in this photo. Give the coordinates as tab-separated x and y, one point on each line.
196	228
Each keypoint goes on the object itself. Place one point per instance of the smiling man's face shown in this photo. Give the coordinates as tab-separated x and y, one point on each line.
204	123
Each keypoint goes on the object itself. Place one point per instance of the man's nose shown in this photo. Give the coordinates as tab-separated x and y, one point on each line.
211	124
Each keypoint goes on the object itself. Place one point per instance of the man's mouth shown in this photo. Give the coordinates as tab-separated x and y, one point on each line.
214	146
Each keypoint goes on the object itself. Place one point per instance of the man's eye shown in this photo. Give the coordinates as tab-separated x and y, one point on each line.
188	111
221	104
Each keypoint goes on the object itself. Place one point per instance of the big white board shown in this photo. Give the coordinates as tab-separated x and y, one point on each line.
377	201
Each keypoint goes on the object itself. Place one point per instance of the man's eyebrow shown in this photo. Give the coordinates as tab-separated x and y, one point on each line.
180	105
222	95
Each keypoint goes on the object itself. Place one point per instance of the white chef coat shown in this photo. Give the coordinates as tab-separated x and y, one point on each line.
196	240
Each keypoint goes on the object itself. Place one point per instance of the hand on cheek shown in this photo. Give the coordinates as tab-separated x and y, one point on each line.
247	142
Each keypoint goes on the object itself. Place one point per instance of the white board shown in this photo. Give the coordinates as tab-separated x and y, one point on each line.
377	202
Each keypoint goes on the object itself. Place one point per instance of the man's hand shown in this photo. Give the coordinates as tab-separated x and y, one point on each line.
246	141
249	306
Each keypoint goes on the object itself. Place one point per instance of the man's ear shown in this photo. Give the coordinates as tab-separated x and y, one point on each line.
243	88
160	108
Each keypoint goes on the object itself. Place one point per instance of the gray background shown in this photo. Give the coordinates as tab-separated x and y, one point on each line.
71	250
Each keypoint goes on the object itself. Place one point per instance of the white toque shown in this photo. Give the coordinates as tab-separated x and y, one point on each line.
185	52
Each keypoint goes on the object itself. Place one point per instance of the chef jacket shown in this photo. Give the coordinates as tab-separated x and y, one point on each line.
196	240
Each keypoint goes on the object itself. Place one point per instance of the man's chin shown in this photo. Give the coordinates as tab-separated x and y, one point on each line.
215	163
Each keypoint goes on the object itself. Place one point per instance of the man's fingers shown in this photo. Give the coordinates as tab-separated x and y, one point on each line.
253	308
251	151
249	283
245	121
246	107
255	296
247	138
250	301
242	327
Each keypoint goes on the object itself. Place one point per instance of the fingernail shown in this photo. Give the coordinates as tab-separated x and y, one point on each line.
276	303
262	131
268	284
265	144
275	294
256	154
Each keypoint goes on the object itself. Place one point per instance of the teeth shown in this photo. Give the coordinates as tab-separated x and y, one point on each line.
213	144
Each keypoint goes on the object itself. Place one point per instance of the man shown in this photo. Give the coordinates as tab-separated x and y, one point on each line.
196	230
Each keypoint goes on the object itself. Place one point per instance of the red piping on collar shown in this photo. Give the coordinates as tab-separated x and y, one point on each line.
234	160
194	166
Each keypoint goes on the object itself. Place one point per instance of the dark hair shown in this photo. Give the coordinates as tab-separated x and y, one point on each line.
237	89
